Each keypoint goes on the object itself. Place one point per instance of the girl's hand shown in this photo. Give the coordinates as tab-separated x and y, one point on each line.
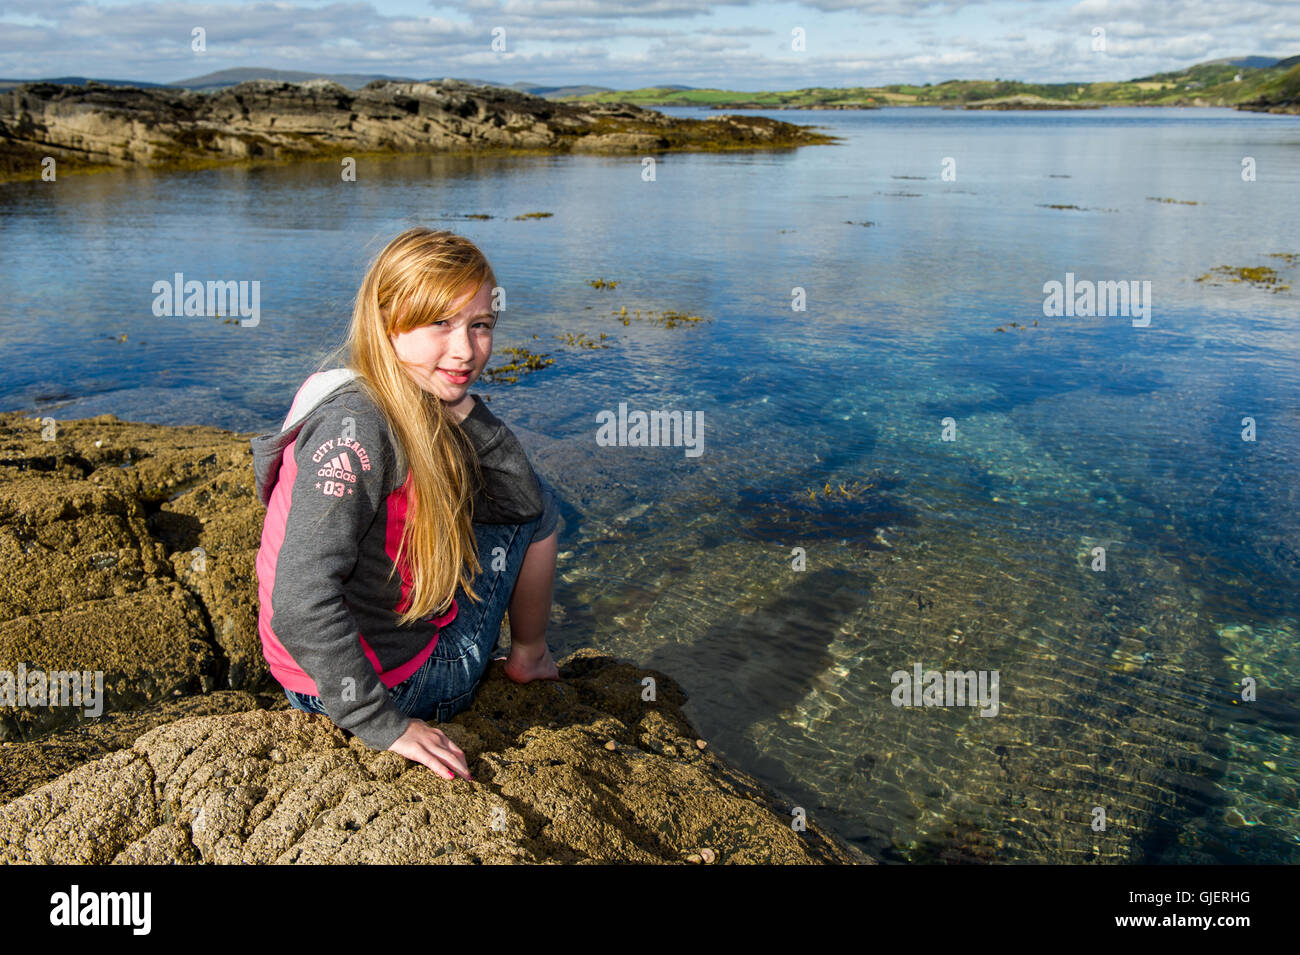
431	747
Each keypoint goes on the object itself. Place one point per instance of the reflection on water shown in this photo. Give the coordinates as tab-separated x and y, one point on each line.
829	536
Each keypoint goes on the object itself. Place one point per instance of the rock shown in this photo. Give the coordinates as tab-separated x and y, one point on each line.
25	766
144	646
620	143
148	533
266	786
96	126
129	550
1027	101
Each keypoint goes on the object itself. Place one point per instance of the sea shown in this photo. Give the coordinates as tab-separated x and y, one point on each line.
983	544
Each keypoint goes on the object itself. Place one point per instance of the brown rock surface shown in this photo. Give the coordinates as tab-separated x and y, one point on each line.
98	126
266	786
130	550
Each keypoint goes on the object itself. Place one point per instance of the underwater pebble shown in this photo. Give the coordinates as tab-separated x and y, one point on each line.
276	756
707	855
611	745
99	444
700	743
693	858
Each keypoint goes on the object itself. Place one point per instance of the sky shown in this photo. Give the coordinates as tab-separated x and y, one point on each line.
627	44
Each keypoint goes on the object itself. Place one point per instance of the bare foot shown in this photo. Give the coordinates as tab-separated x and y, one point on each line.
527	664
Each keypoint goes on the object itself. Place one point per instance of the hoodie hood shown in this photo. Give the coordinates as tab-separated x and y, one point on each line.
268	448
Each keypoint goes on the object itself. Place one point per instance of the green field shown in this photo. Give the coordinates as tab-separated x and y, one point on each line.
1207	84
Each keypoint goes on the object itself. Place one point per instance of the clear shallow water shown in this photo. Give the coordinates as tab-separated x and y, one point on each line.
1117	689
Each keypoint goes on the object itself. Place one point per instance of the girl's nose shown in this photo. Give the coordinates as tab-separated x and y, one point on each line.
460	347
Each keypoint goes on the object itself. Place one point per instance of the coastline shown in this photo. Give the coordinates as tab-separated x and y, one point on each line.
95	127
131	551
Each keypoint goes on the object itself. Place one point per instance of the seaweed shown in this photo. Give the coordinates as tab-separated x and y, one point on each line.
1260	276
582	341
522	362
669	318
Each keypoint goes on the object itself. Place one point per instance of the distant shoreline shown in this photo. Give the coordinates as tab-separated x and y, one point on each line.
90	128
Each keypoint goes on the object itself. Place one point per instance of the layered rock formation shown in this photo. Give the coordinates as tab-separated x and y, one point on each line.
129	550
100	126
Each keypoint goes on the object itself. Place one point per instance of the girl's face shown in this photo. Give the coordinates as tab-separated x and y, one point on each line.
445	358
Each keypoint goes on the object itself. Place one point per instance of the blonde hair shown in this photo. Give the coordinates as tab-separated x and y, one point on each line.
415	281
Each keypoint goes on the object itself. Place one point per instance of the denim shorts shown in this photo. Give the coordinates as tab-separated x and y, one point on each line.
445	684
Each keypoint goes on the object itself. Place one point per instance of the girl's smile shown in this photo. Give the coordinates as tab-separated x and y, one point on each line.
447	356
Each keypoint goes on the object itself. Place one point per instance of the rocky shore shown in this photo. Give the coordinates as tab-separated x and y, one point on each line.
129	551
97	126
1027	101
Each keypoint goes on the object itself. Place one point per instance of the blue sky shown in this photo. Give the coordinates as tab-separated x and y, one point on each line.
742	45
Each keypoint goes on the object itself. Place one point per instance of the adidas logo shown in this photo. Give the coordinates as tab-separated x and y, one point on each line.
340	468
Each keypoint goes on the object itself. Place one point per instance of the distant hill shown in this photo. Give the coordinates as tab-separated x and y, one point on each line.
1230	81
1280	94
1254	62
80	81
559	92
355	81
224	78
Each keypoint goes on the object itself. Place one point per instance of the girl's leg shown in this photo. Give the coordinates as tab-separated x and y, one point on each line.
530	610
300	701
530	604
446	683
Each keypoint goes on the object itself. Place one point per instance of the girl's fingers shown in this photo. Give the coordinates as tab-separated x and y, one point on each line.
454	761
426	757
435	762
445	741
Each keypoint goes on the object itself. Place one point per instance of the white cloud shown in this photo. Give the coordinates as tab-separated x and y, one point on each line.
627	43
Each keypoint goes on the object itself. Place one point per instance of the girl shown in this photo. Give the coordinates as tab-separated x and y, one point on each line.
383	488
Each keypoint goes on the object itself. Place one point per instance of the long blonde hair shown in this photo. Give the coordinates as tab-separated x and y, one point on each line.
415	281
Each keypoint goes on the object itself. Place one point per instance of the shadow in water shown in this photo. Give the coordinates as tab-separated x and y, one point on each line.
1021	384
755	667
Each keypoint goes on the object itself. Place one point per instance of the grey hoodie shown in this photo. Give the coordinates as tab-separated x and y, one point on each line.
335	492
